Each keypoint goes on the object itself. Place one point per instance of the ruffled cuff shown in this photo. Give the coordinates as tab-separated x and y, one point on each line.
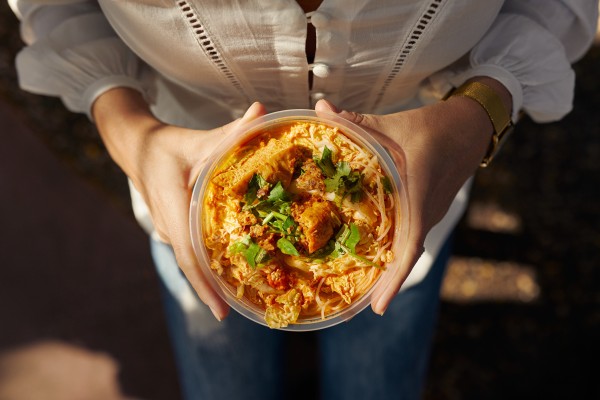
104	84
78	64
502	75
526	58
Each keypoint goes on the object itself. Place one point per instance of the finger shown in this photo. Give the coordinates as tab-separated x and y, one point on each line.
326	106
357	118
179	233
369	122
387	290
410	251
256	110
203	150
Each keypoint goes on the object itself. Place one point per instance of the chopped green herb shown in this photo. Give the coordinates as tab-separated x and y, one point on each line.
274	210
340	180
325	252
362	259
278	199
345	242
237	247
287	247
353	238
387	184
253	253
278	193
326	163
256	183
333	183
353	186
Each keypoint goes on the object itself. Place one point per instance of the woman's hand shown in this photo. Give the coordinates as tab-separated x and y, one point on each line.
163	162
437	148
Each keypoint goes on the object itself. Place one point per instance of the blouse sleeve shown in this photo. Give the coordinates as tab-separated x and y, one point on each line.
72	52
530	48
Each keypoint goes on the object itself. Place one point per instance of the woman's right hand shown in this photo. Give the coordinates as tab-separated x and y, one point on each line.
163	162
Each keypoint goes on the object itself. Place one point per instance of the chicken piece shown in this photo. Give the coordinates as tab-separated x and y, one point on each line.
318	219
274	162
246	218
278	278
311	177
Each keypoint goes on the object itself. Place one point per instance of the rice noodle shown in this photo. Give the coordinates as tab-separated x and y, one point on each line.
302	287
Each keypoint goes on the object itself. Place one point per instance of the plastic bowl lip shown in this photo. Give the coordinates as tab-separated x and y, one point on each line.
247	132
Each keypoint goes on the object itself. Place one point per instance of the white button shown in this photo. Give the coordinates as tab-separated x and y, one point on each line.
317	95
320	70
319	20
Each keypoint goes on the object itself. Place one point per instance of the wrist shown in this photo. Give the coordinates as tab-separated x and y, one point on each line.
494	103
472	128
124	121
122	109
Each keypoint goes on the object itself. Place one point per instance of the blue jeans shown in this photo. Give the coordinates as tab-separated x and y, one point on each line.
368	357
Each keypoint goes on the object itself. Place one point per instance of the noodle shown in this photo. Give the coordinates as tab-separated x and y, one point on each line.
297	222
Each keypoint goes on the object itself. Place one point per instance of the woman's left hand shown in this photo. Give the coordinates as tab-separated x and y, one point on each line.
436	149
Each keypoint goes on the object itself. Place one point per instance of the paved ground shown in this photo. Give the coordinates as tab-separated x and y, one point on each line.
75	268
520	315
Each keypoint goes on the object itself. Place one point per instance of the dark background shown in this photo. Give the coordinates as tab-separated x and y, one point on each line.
519	315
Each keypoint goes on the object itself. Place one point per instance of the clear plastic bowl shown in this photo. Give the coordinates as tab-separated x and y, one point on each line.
248	132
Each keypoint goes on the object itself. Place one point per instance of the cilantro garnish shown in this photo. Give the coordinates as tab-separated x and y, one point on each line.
345	242
256	183
353	238
278	199
341	179
387	184
254	254
333	183
326	164
274	211
287	247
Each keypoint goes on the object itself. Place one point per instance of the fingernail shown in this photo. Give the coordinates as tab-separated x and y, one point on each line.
332	106
216	314
380	313
381	306
249	110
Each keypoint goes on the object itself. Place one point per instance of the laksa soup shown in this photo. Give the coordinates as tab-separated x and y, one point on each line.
299	221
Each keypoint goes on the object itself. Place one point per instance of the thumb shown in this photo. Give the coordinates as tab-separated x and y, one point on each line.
365	120
377	125
326	106
393	279
256	110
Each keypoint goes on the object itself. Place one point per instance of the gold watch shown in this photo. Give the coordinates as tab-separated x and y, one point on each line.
493	106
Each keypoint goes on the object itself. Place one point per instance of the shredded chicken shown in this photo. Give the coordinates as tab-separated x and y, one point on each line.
318	220
311	178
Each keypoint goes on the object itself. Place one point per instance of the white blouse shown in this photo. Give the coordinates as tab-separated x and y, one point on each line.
202	63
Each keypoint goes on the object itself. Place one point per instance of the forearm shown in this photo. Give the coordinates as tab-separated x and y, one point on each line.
126	125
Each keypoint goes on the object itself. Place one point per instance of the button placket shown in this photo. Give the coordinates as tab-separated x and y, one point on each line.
318	19
320	70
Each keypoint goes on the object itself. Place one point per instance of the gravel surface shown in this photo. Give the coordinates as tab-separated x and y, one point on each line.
519	316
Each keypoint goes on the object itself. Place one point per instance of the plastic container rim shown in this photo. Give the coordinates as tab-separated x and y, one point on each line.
249	131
